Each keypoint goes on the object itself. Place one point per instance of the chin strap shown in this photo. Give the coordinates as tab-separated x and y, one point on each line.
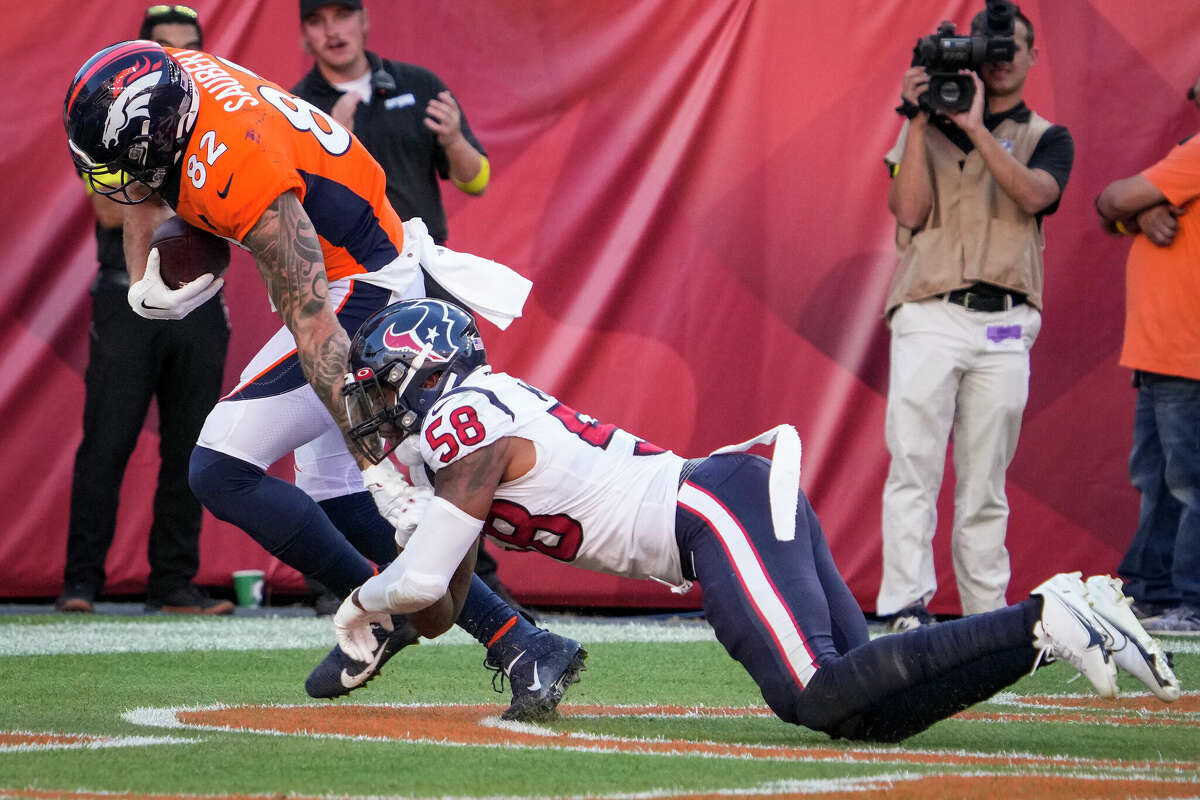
784	482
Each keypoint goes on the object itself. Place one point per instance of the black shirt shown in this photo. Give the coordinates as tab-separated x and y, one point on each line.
1054	151
392	129
110	248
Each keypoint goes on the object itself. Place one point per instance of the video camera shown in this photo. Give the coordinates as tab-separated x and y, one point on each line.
944	53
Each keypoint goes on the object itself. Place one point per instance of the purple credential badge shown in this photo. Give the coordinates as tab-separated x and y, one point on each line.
999	333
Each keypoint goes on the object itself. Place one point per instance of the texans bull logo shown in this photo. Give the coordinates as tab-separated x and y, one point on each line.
435	336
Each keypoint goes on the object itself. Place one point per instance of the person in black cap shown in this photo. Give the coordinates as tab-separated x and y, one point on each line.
413	126
130	360
404	114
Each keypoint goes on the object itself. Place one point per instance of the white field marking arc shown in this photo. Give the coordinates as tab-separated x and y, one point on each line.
586	742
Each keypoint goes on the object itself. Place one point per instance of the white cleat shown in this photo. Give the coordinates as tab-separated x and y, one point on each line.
1068	631
1134	650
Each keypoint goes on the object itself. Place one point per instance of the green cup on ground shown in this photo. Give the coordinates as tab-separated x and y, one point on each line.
248	585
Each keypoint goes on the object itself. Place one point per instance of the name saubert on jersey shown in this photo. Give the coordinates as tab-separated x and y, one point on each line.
216	80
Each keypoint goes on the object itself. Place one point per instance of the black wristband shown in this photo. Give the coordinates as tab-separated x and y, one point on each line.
907	108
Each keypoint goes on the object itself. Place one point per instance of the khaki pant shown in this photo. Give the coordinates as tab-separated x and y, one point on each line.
968	371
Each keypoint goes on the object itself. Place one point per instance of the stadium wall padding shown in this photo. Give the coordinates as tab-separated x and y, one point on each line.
697	191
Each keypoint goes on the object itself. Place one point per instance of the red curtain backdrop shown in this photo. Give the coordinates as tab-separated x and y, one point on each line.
697	191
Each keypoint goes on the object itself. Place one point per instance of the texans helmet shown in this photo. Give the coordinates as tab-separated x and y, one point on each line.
403	358
128	114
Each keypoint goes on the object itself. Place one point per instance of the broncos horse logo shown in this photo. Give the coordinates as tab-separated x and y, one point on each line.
131	99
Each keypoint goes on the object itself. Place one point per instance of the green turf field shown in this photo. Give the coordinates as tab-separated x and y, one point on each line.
161	707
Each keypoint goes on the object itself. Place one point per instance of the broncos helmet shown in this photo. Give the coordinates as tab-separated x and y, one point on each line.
403	358
128	114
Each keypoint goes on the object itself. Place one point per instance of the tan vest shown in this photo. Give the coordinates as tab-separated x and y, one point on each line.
974	231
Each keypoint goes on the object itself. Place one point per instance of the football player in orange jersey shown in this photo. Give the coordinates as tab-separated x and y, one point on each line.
236	155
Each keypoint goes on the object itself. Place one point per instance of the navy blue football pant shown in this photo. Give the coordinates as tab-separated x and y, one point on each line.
785	613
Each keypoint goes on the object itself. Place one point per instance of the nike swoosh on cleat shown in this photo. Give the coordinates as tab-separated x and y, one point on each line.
513	663
1110	631
537	679
351	681
221	193
1095	639
149	307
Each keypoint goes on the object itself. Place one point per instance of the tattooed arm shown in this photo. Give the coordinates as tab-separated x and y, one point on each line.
288	255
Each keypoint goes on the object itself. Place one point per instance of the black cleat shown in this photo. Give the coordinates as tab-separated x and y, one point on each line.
338	674
540	674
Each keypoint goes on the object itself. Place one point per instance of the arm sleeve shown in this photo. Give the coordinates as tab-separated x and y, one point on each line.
419	576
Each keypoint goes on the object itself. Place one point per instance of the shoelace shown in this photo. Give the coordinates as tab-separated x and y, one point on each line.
1054	652
498	676
1054	656
1041	657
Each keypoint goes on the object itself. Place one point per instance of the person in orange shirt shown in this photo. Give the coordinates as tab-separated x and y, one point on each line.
237	155
1162	347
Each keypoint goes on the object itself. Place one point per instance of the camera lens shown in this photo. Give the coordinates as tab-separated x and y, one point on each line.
949	93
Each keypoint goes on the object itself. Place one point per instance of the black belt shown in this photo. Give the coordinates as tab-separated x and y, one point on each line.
976	298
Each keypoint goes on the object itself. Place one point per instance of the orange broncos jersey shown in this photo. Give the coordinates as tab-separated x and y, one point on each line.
252	141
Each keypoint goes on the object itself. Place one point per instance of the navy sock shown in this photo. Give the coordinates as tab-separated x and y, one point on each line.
283	519
493	622
357	517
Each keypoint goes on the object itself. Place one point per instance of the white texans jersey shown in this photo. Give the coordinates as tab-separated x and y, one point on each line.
598	497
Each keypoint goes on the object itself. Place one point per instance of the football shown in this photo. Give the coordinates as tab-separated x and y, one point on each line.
185	253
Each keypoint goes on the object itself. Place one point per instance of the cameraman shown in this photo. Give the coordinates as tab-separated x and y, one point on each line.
969	193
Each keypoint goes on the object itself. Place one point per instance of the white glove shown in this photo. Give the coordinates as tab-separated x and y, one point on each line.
400	503
408	452
411	513
352	626
150	297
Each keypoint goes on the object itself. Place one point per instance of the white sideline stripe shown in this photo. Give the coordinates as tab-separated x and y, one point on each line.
157	635
760	589
88	741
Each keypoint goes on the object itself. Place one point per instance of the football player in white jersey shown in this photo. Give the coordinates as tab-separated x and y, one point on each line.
513	462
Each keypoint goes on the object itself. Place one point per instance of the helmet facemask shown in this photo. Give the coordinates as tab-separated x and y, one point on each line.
379	413
405	358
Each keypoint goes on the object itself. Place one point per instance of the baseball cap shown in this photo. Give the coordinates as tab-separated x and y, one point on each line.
309	6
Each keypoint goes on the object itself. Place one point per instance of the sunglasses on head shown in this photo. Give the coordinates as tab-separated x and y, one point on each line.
164	9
